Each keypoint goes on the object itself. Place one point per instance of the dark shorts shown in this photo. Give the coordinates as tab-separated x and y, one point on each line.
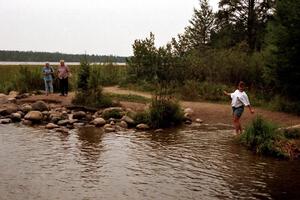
238	111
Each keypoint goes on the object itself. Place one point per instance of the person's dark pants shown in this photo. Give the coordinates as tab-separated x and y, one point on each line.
64	86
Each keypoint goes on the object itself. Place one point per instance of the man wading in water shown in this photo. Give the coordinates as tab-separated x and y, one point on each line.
239	101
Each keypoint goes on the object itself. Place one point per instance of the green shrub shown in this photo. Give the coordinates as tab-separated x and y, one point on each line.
212	91
190	90
92	98
262	136
29	79
165	113
112	114
142	118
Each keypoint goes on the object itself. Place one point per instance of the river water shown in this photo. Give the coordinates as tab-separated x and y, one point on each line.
195	163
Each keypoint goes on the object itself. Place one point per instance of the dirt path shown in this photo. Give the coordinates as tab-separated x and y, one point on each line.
209	112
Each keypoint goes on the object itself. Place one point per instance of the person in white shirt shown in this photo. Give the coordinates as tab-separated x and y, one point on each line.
239	101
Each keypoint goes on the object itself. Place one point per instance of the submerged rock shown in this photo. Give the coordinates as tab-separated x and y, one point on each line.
109	128
40	106
142	127
51	126
27	122
5	121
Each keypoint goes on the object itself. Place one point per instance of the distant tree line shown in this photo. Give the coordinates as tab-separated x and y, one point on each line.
31	56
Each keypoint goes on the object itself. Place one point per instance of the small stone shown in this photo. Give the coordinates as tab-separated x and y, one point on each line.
63	122
128	120
73	121
199	121
26	108
158	130
79	115
123	124
99	122
142	127
112	123
12	100
109	128
13	94
78	124
16	117
27	122
35	116
51	126
189	111
5	121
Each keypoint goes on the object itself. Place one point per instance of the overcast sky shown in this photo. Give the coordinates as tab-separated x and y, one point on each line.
105	27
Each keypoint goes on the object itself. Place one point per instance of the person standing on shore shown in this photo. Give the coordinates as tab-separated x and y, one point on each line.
239	101
48	78
63	74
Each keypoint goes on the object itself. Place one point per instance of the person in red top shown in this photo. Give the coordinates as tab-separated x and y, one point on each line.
63	73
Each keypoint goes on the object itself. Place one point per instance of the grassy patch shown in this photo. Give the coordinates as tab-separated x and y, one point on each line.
129	98
263	138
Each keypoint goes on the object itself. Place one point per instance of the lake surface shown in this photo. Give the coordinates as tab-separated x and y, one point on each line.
195	163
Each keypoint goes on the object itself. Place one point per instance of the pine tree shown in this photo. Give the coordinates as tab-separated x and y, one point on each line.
84	74
197	34
245	20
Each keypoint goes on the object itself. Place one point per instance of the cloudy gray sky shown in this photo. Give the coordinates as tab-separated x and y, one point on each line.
91	26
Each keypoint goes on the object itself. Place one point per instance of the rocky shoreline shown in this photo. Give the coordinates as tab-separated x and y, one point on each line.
63	118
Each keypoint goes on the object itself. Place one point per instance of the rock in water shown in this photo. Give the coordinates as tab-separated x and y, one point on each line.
123	124
5	121
142	127
128	120
79	115
51	126
99	122
40	106
35	116
16	117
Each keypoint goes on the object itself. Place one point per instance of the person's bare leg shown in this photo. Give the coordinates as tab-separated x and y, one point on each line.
236	124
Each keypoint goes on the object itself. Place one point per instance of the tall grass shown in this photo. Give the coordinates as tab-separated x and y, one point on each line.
263	137
29	78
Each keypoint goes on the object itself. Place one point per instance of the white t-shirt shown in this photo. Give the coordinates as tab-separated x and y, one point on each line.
239	99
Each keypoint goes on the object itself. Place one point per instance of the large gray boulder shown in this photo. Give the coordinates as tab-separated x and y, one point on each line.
40	106
35	116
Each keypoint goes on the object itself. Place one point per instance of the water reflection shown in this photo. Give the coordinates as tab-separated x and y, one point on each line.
195	163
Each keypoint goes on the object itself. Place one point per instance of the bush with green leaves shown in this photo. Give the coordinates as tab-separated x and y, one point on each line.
165	113
262	137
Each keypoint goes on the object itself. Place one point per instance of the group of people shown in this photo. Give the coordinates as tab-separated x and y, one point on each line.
239	97
63	73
